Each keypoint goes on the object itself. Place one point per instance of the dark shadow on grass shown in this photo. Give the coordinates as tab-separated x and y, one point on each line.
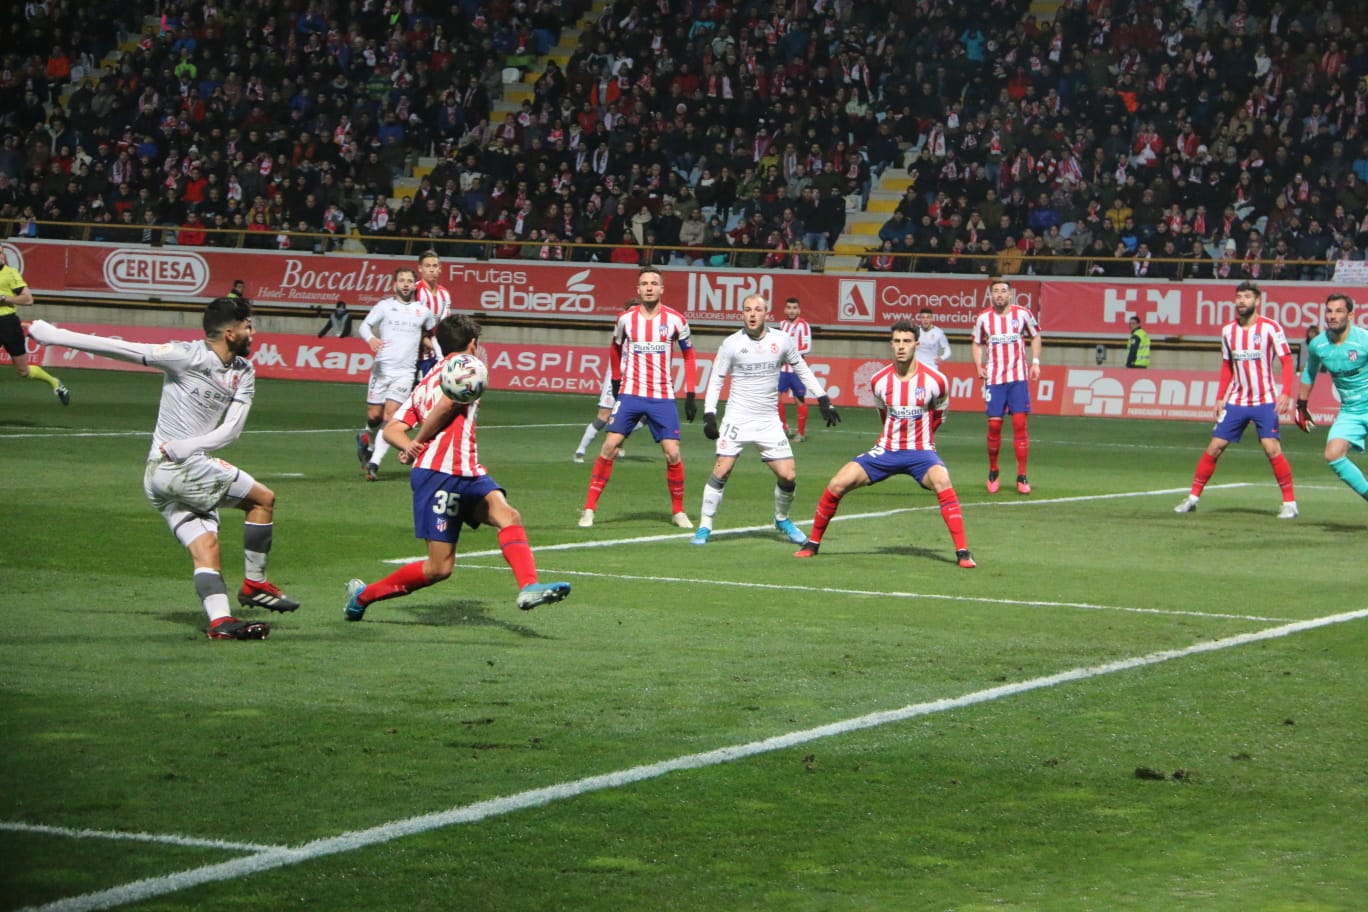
462	613
931	554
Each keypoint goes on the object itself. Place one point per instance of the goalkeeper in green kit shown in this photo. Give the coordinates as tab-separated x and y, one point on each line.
1342	352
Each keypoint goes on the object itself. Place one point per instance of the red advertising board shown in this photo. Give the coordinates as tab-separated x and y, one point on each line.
1085	391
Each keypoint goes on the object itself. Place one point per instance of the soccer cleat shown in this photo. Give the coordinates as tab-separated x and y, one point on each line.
534	594
788	433
801	438
265	595
372	472
682	520
586	519
1189	505
966	560
230	628
63	394
809	549
621	453
993	482
354	610
1023	486
794	533
579	456
363	447
701	536
1289	510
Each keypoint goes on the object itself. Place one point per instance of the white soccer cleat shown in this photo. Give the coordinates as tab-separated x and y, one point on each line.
682	520
579	456
1289	510
1189	505
586	520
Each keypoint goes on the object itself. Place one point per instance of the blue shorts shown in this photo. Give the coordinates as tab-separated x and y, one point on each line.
425	365
662	416
1234	418
1353	428
879	463
790	382
441	502
1014	397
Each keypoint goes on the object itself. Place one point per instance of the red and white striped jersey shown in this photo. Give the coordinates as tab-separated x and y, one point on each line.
801	331
644	344
908	405
1251	350
1005	335
453	451
436	299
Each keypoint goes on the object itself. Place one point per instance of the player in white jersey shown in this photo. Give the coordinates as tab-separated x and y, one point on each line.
1247	394
1000	336
394	330
643	340
450	489
932	345
912	400
789	382
206	395
436	299
752	357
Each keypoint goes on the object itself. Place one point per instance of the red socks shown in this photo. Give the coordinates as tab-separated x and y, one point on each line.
408	578
826	509
518	554
603	470
1021	442
954	519
802	416
674	478
1282	471
1206	467
994	442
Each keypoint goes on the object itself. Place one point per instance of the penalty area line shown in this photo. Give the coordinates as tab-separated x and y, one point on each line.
274	858
164	838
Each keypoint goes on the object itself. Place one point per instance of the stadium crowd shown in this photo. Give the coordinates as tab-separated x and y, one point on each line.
1220	138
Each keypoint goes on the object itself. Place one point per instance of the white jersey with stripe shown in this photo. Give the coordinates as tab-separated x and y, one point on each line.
1005	335
454	450
646	344
908	404
1251	351
753	365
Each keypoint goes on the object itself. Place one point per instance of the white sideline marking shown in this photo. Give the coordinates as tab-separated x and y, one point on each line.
881	593
881	514
273	858
169	839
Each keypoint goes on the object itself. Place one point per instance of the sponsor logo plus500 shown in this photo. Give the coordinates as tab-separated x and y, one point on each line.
513	292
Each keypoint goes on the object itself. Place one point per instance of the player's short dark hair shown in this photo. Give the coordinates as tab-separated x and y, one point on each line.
409	269
1341	296
791	300
906	326
221	313
428	253
1249	286
926	310
456	332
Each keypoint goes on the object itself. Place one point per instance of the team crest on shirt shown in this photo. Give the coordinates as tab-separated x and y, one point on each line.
1353	356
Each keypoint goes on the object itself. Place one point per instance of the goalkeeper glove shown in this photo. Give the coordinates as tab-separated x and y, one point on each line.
616	386
710	426
690	406
829	414
1302	416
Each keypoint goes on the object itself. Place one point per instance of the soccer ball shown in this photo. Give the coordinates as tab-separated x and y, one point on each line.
464	378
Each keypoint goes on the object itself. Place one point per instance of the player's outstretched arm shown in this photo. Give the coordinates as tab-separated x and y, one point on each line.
45	333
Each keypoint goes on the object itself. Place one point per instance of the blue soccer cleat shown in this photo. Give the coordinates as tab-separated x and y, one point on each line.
536	594
354	611
794	534
701	536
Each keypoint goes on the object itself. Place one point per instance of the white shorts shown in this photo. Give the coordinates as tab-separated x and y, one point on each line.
188	494
764	431
384	388
606	399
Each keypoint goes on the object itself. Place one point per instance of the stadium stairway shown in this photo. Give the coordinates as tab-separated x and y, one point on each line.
861	233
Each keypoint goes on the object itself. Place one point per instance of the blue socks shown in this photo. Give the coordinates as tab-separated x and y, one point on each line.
1351	475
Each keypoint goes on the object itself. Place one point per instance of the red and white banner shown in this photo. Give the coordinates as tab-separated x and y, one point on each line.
1098	392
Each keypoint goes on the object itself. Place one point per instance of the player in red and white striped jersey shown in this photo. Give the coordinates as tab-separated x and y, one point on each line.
641	359
789	382
1001	334
450	489
1247	393
436	299
912	400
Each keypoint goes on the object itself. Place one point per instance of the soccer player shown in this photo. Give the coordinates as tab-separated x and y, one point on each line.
999	345
206	395
752	356
644	388
912	400
1247	394
789	382
933	346
450	489
394	330
14	293
605	408
436	299
1342	352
